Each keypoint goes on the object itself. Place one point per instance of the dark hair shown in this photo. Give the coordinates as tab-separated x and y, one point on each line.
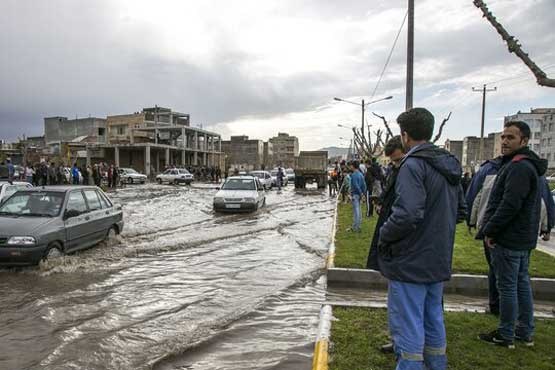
418	123
355	164
392	145
522	126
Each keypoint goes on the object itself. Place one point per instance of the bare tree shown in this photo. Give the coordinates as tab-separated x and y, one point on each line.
515	47
440	132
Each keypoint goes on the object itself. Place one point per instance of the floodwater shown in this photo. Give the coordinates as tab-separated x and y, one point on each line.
185	289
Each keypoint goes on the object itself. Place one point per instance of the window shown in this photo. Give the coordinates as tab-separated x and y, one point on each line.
167	172
550	126
92	200
548	141
101	131
76	202
106	203
537	135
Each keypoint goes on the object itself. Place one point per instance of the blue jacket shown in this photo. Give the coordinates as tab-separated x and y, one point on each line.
492	167
358	185
416	241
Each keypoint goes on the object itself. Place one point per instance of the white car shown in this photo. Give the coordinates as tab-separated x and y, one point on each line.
7	189
240	193
265	178
175	176
131	176
290	173
274	178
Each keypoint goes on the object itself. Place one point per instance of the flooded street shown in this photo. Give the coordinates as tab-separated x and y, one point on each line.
185	289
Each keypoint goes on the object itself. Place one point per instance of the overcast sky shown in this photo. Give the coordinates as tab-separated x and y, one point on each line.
259	67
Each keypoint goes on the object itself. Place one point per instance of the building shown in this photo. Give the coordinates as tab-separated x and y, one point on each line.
286	149
547	143
147	141
455	147
244	153
497	144
60	130
268	155
534	119
471	152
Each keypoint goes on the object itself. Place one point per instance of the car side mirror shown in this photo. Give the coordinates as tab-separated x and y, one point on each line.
118	207
70	213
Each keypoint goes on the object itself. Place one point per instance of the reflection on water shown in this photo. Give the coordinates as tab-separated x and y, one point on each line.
185	289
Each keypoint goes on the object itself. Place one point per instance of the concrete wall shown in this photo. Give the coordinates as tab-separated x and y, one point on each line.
455	147
60	129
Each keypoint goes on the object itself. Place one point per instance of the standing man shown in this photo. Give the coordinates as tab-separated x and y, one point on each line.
11	170
510	228
75	174
416	244
358	189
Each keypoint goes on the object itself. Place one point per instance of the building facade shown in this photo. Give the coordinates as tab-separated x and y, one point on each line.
286	149
243	153
455	147
471	152
547	143
534	119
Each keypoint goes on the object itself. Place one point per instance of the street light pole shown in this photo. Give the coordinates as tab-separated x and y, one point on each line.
410	55
362	123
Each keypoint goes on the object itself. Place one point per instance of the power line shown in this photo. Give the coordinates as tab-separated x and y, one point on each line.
389	56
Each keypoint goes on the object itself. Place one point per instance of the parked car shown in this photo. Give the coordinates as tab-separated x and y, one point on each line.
130	176
290	174
265	178
274	178
7	189
240	193
45	222
175	176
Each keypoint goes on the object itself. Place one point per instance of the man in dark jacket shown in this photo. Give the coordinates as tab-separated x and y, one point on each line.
395	151
416	244
511	227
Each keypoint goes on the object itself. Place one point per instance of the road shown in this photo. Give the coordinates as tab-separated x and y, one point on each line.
185	289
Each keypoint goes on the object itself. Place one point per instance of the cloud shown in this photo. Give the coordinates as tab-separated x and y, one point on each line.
262	67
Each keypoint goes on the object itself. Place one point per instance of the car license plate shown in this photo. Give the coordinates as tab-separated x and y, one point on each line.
232	206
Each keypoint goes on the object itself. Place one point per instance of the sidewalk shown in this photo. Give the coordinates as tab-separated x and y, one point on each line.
547	247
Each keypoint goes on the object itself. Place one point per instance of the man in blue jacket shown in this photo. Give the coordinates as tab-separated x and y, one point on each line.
510	228
416	244
358	188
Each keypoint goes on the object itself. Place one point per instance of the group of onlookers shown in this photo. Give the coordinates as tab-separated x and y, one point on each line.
423	196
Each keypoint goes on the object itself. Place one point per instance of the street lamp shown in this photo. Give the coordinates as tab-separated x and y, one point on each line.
363	105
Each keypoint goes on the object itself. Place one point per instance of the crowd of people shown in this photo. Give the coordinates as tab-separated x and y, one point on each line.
420	197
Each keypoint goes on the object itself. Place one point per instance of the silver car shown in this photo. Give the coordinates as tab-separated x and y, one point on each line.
240	193
130	176
7	189
175	176
45	222
265	178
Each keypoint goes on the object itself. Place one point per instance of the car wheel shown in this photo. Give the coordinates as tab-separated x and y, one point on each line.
53	251
111	238
159	181
129	180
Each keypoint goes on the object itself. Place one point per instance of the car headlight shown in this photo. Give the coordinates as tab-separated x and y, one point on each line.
22	240
250	200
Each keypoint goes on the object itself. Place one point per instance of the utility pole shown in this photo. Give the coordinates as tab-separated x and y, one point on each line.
410	54
484	90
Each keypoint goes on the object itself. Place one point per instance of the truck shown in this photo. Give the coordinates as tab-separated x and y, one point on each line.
311	166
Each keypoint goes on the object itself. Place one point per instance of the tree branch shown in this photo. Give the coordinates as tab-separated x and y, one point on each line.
515	47
389	132
440	132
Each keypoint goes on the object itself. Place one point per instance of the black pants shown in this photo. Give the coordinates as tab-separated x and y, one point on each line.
369	204
492	283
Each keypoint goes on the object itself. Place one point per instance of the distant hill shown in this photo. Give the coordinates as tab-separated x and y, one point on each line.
334	151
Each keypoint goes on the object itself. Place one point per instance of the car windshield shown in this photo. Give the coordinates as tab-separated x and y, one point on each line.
260	175
239	184
129	170
184	172
290	171
274	173
44	204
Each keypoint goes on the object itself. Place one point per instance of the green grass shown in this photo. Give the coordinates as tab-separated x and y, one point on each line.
552	186
359	332
352	248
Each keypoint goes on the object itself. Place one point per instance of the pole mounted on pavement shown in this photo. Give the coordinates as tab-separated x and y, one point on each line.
363	105
410	55
484	90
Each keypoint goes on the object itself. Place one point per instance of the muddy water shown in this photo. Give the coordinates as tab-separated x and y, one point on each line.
185	289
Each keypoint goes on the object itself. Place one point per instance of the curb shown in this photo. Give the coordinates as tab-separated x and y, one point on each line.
462	284
320	358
